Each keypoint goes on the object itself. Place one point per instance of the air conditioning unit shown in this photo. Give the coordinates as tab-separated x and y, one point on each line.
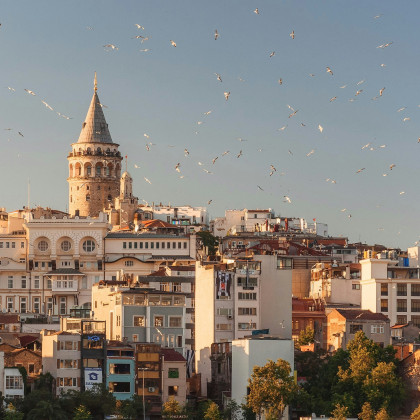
229	317
151	389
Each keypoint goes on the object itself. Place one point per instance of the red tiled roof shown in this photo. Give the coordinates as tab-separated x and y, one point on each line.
172	355
361	314
27	339
399	326
160	273
9	318
182	267
155	223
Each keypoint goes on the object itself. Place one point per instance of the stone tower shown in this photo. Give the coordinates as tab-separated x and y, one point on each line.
94	165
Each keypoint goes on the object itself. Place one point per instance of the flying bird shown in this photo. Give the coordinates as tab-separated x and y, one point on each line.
256	11
393	165
286	198
207	171
30	92
11	89
280	81
272	54
147	180
214	160
310	153
209	202
186	152
47	105
360	170
139	26
333	98
329	71
260	188
173	43
218	77
227	94
112	46
136	166
384	45
137	37
239	154
381	91
225	153
20	134
216	34
406	119
401	109
293	113
320	128
147	147
359	92
177	167
292	35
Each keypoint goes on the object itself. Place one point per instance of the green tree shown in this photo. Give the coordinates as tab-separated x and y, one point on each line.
340	412
12	414
271	388
209	241
47	410
382	414
367	413
131	408
82	413
306	336
212	412
231	411
171	407
415	415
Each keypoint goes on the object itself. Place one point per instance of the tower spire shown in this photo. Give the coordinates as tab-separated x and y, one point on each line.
95	84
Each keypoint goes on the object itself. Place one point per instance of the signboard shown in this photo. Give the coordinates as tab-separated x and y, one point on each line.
223	284
93	376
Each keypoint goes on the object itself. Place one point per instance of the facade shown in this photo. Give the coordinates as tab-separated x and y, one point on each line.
392	288
120	370
13	383
343	324
174	371
235	298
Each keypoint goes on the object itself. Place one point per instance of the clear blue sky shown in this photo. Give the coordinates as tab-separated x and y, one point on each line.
53	48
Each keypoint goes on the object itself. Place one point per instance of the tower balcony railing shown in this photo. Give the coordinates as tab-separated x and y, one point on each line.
94	153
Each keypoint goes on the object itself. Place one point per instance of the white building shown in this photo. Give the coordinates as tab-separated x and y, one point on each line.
256	351
237	297
13	385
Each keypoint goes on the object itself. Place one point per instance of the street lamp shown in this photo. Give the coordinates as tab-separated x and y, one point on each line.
144	407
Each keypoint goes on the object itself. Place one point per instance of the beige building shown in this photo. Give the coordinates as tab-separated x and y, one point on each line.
174	369
61	357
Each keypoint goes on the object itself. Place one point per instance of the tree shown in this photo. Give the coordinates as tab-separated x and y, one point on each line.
340	412
47	410
171	407
306	336
212	412
271	388
82	413
209	241
367	413
12	414
132	408
415	415
382	414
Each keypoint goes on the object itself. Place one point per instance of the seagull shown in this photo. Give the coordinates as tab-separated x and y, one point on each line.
227	151
207	113
329	71
137	37
227	94
366	145
272	54
30	92
406	119
333	98
392	166
239	154
273	168
256	11
360	170
343	210
147	148
290	152
136	166
146	135
145	50
200	164
382	146
384	45
11	89
173	43
343	87
293	113
147	180
186	152
359	92
20	134
282	128
402	192
139	26
260	188
320	128
280	81
216	34
286	198
209	202
383	65
214	160
310	153
112	46
401	109
360	82
47	105
207	172
292	35
144	39
378	16
177	167
218	77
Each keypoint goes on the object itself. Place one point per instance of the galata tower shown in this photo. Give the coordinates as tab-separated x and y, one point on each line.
94	165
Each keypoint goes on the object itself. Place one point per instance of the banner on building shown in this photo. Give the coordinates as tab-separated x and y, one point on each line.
93	376
223	284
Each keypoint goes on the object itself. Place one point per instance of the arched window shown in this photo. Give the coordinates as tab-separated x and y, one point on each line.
89	245
107	171
98	170
89	170
78	169
89	151
109	197
87	197
71	199
43	245
71	170
65	245
99	151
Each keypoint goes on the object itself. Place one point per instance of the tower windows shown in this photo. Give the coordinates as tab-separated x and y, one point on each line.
87	197
43	246
98	170
89	170
66	246
99	151
108	171
109	197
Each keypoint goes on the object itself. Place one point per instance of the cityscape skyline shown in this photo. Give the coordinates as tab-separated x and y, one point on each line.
316	143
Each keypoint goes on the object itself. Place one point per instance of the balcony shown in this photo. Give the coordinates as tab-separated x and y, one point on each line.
65	286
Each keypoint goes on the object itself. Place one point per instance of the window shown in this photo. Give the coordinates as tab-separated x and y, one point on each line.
7	245
65	246
173	373
175	321
384	289
129	263
377	329
415	305
119	368
36	304
250	282
49	305
224	311
23	305
401	305
13	244
164	287
31	368
247	326
124	245
176	287
152	245
49	284
138	321
179	340
63	309
23	282
43	246
135	337
130	245
10	301
247	311
284	263
355	286
185	245
179	245
247	296
88	246
223	327
22	244
158	321
135	245
415	290
141	245
355	327
10	282
146	245
157	245
1	244
401	319
36	282
401	289
384	305
67	364
14	382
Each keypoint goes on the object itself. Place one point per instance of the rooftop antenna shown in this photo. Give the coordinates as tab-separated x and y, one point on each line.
95	84
126	163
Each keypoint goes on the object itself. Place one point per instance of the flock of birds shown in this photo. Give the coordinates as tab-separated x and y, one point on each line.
271	169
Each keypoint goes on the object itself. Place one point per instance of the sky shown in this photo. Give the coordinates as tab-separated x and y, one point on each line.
332	137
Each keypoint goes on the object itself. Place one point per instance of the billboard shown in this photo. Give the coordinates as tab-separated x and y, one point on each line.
223	284
93	376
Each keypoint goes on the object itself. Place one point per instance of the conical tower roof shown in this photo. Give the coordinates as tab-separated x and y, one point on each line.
95	128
